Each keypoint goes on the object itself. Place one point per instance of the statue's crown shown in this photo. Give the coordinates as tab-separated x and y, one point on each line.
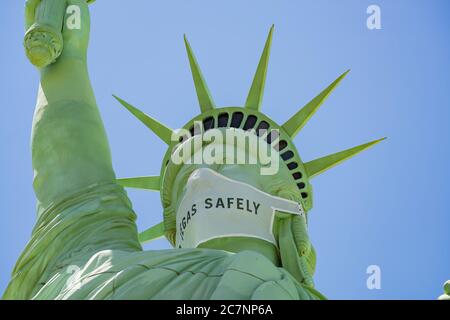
248	117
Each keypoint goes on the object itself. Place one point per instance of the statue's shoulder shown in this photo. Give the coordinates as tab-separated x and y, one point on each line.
174	274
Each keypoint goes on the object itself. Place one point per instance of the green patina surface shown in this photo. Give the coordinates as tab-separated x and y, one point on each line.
85	244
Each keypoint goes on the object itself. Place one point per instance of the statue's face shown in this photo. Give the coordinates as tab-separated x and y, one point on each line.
233	208
257	191
272	177
185	187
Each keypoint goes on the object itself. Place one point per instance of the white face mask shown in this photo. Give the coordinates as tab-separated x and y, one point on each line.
215	206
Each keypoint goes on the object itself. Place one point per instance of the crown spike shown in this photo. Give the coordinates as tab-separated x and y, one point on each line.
146	183
155	232
163	132
320	165
299	120
204	96
255	95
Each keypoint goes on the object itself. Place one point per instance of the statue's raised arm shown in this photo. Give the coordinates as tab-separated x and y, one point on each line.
81	209
69	145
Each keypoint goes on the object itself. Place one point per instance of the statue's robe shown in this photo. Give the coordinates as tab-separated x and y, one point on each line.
85	242
85	247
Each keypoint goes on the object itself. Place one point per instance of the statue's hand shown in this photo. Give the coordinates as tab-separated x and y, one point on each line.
44	41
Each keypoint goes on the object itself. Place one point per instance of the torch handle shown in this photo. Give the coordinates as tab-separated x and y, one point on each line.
50	13
43	40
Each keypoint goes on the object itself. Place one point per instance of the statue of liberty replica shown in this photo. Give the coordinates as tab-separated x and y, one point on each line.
238	225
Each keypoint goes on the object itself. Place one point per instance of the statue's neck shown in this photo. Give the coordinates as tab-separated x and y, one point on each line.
237	244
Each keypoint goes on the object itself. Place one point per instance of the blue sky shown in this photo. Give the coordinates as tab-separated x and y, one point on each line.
388	206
